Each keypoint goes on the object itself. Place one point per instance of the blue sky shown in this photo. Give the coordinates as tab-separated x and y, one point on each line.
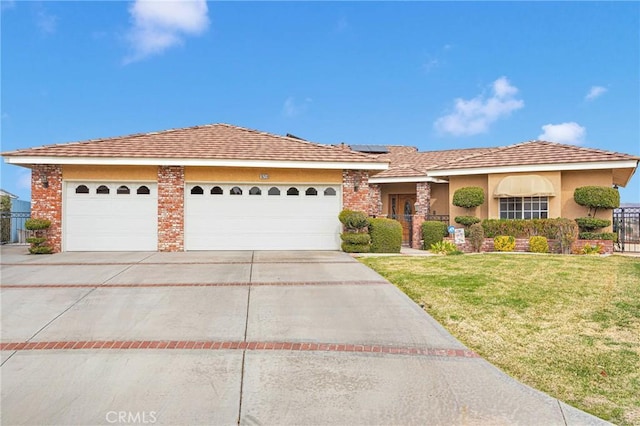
436	75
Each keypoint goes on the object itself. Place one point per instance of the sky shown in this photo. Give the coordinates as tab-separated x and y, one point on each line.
435	75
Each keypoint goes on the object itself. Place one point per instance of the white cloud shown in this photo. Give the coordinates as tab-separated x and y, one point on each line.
571	133
159	25
595	92
474	116
291	108
46	22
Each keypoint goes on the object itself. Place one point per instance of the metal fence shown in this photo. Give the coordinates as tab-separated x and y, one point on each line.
12	228
626	223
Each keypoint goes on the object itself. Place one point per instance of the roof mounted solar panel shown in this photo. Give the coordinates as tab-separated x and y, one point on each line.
370	149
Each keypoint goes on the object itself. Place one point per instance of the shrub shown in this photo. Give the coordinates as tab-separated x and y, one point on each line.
468	197
433	231
538	244
524	228
476	237
386	235
567	233
597	197
353	220
37	224
599	236
5	221
356	238
467	220
444	247
36	240
355	248
40	250
589	249
587	224
504	243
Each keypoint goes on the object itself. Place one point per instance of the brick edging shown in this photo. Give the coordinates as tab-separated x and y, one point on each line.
235	345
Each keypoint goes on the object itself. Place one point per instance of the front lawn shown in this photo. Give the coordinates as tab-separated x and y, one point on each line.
566	325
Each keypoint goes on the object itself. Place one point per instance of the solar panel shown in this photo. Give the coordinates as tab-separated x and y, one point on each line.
371	149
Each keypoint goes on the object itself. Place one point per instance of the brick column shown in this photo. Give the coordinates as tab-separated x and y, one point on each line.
416	229
170	208
355	190
423	198
375	200
46	196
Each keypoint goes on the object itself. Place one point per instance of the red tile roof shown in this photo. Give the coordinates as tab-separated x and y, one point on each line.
215	141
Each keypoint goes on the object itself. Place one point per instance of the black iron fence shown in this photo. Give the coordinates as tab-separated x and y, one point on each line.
12	228
626	223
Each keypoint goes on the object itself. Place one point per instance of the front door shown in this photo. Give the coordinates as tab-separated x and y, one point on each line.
402	210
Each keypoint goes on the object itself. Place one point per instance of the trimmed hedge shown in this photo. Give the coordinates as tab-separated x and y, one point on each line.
597	197
355	238
468	197
524	228
37	224
355	248
467	220
353	220
476	237
433	231
386	235
588	224
598	236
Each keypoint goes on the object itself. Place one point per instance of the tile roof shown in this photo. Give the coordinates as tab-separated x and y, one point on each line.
214	141
533	153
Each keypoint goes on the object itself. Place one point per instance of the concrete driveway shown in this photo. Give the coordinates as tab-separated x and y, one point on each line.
251	338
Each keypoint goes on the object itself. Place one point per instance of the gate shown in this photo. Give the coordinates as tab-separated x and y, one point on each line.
626	223
12	228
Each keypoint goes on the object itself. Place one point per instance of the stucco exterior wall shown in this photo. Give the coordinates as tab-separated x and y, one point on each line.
250	175
457	182
555	205
575	179
110	173
439	199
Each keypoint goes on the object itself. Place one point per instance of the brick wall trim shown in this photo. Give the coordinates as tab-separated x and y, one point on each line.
170	208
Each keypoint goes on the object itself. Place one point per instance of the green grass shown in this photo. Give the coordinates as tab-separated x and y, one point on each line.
566	325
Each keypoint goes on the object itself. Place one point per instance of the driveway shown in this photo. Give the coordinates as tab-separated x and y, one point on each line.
251	338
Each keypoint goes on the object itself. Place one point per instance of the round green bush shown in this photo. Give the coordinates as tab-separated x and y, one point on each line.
356	238
37	224
538	244
597	197
468	197
353	220
587	224
386	235
467	220
433	231
40	250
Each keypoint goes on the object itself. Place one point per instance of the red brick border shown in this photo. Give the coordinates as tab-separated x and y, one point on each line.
236	345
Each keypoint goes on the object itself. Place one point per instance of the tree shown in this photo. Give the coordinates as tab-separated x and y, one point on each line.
596	197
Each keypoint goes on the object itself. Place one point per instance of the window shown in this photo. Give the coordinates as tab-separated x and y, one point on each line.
123	189
236	190
216	190
102	189
311	191
293	191
330	192
255	191
197	190
524	208
274	191
82	189
143	190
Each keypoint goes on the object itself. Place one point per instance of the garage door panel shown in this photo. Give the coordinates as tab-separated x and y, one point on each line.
111	222
262	222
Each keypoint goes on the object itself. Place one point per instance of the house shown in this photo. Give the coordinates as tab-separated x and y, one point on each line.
223	187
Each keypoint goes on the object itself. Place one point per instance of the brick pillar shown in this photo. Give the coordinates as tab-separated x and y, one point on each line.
170	208
46	196
423	198
355	190
375	200
416	229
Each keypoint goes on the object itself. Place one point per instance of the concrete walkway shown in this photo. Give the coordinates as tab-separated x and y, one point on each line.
251	338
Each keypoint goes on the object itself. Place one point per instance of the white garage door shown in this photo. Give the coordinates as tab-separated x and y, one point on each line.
262	217
108	216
